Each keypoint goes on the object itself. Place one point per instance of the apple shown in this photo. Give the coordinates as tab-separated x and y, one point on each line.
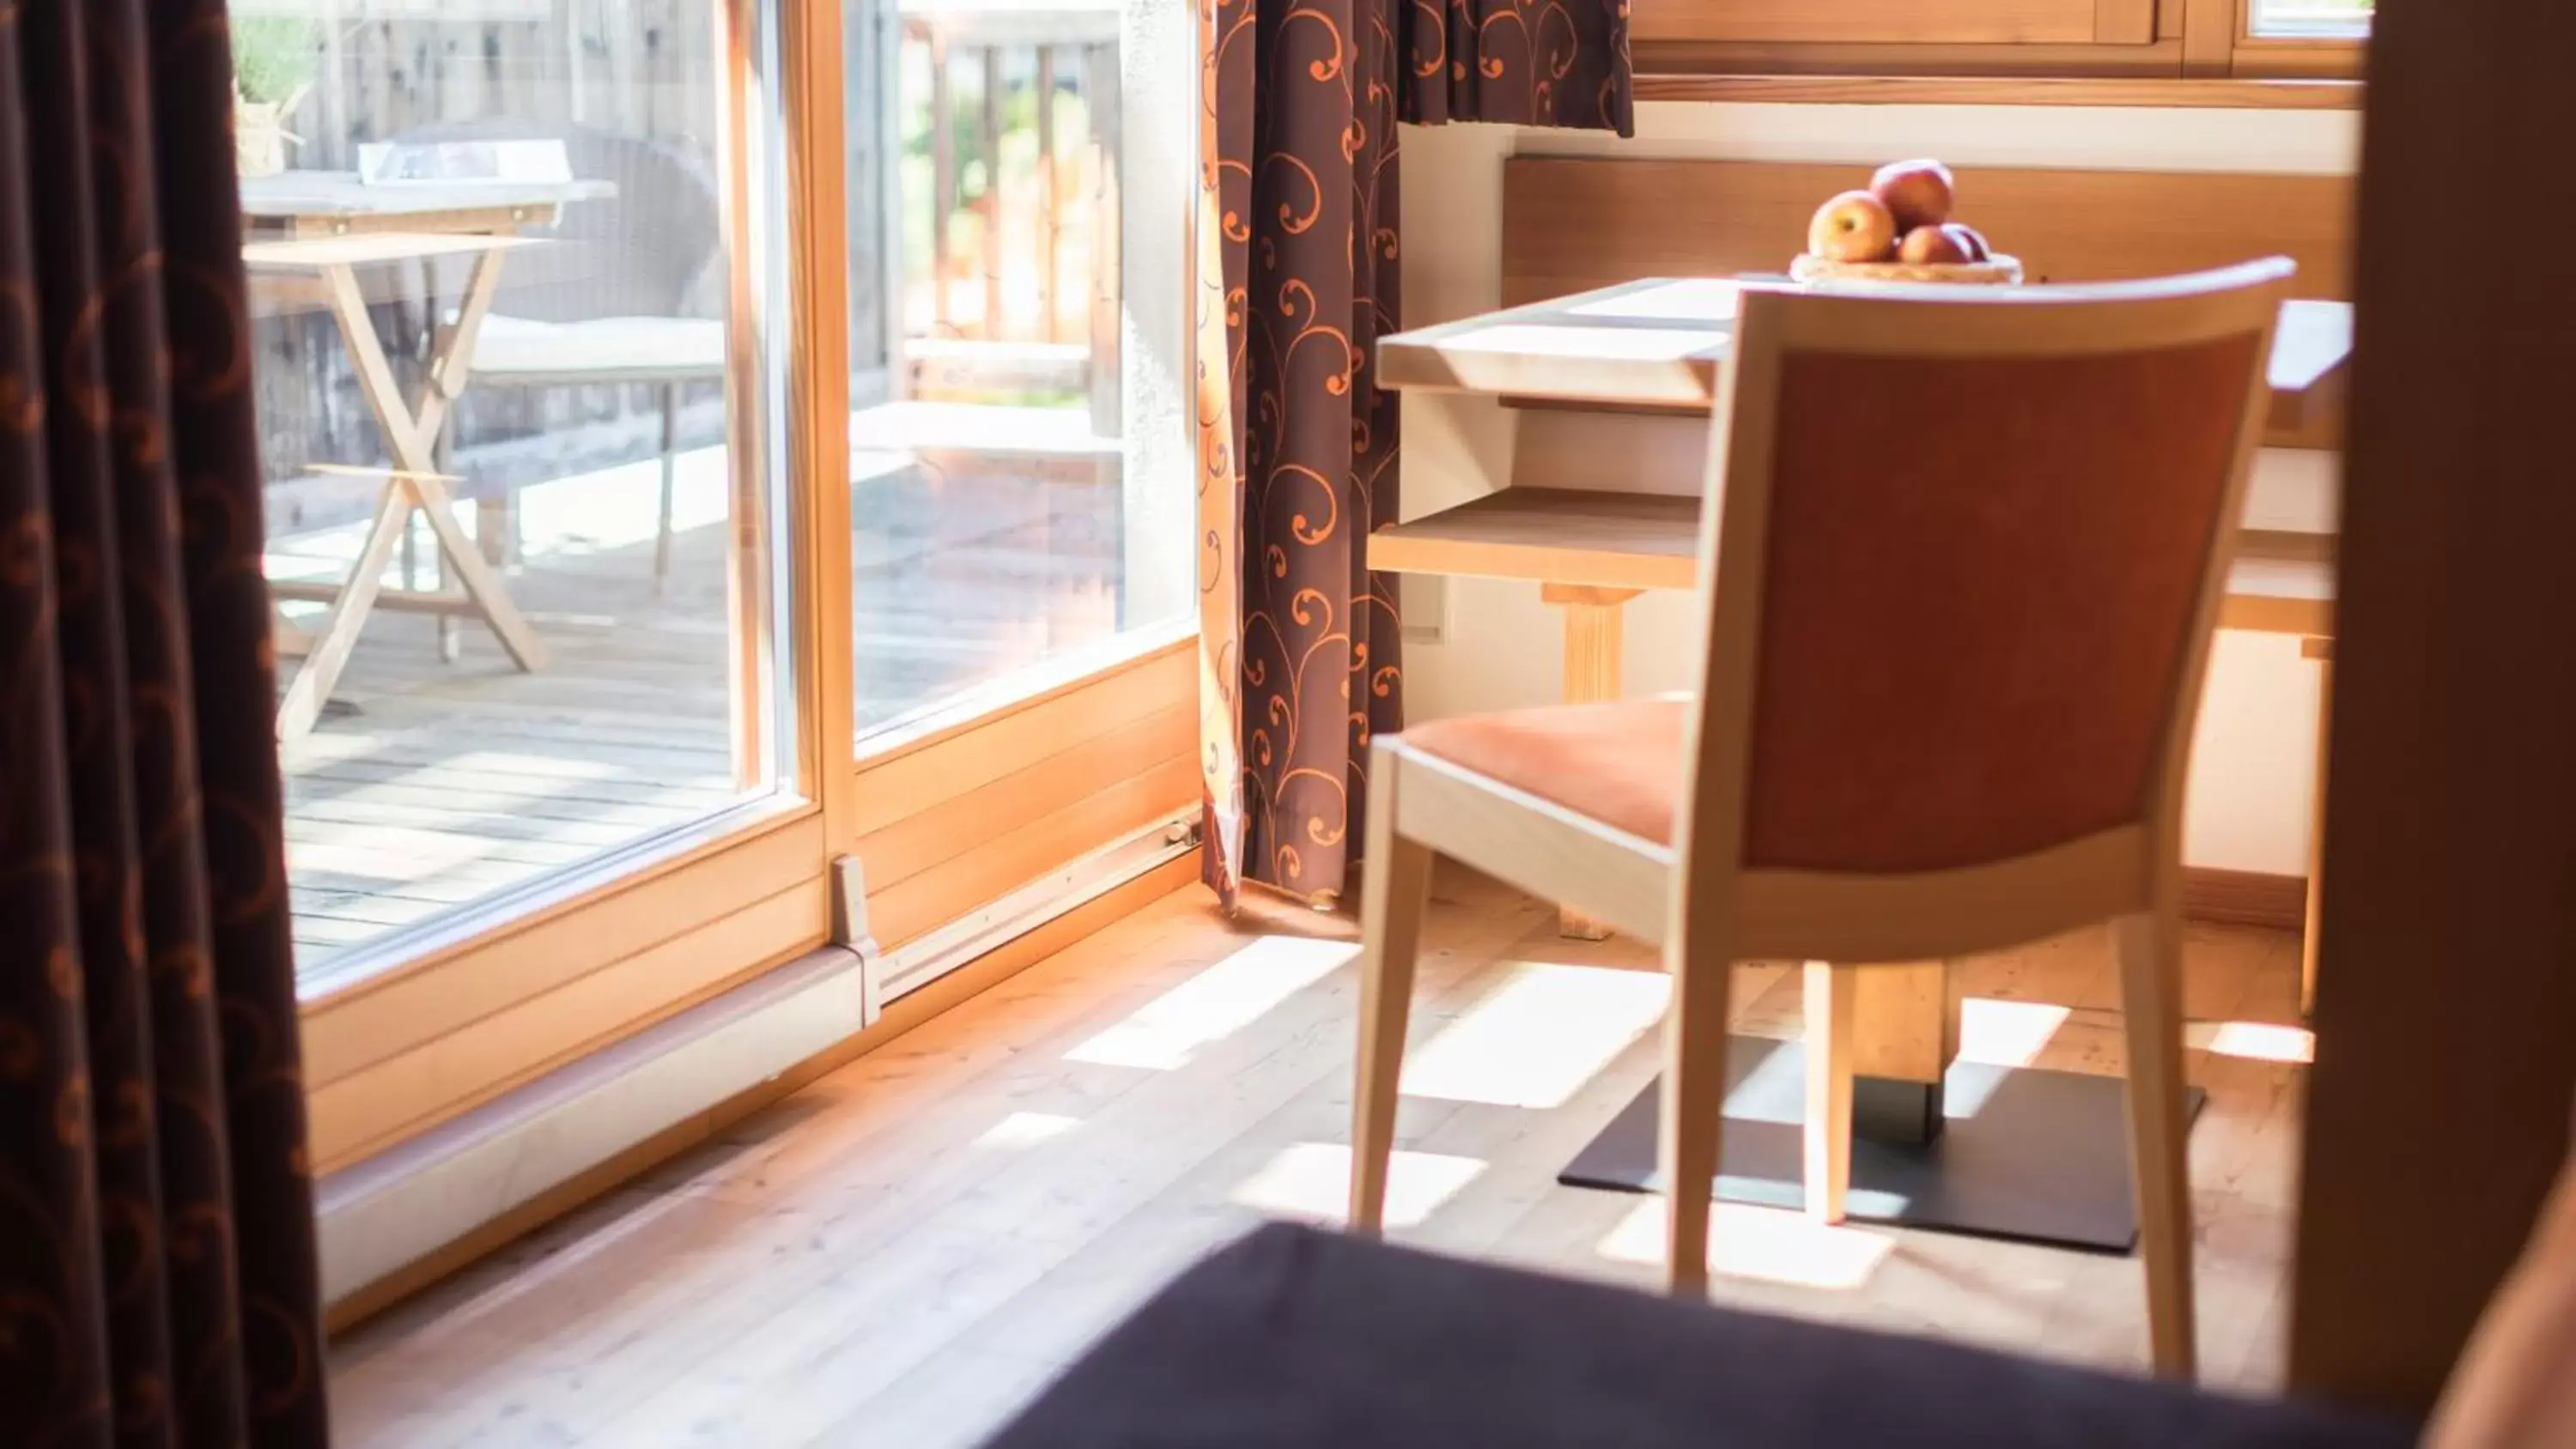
1918	193
1932	246
1853	227
1970	240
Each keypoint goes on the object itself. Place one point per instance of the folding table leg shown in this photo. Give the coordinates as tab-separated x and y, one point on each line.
329	647
482	585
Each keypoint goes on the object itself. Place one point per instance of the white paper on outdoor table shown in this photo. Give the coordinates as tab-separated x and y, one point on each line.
393	163
1691	299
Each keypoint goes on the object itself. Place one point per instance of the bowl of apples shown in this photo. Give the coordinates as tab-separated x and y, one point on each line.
1899	230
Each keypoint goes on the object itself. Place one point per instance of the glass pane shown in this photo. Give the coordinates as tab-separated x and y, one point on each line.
518	629
1003	528
2330	18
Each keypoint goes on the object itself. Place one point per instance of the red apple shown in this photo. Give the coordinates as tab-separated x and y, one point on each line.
1853	227
1970	240
1931	246
1918	193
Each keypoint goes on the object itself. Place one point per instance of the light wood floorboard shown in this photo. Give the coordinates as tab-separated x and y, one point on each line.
905	1251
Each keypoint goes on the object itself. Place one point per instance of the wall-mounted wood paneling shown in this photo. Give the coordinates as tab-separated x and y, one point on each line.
1954	22
2446	986
955	823
1573	223
407	1092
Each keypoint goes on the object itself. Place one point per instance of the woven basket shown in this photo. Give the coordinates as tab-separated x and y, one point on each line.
1997	271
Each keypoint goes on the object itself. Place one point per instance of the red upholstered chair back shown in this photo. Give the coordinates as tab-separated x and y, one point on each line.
1966	562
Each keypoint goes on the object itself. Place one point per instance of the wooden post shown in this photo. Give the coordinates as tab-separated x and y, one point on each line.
1048	229
1593	640
2438	1105
989	138
2322	651
943	178
1100	102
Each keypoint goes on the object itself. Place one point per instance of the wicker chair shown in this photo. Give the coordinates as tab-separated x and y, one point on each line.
604	303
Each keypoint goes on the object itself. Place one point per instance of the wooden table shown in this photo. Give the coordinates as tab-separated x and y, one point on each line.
1612	390
315	235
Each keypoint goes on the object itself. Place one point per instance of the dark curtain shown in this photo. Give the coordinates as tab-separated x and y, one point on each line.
1302	101
157	1272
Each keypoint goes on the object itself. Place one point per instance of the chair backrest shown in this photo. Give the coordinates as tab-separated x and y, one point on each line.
1964	554
636	254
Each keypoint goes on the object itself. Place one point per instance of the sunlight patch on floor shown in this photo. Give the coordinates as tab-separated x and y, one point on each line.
1026	1129
1312	1180
1769	1244
2007	1033
1535	1041
2253	1040
1214	1004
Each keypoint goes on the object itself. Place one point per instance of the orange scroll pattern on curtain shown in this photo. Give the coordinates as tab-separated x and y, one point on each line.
1299	259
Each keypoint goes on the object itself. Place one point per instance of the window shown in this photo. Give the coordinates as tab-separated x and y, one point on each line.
2044	40
615	613
522	553
1005	526
2309	19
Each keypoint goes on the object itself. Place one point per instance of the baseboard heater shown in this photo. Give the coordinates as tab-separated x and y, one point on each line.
398	1207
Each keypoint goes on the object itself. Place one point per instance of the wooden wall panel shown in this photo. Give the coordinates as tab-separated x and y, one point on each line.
1012	856
919	777
1953	22
447	992
407	1093
1574	223
2438	1108
956	822
969	818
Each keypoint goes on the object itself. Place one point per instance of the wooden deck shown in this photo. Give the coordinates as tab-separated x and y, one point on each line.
430	784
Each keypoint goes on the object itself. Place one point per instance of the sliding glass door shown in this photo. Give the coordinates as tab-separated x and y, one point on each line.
1019	492
707	441
519	322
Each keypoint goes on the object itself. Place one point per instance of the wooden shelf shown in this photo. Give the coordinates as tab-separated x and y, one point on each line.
2155	92
1552	535
2284	583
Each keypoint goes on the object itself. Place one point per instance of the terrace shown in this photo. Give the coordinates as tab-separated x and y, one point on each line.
426	767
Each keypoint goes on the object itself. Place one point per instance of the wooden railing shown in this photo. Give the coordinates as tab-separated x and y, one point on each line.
1019	291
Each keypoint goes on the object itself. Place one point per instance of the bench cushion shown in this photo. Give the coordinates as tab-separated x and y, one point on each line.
1294	1337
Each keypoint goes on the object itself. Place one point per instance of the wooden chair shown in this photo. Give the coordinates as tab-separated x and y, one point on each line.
1962	562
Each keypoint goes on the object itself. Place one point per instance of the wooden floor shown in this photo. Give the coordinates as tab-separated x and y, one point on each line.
429	784
903	1252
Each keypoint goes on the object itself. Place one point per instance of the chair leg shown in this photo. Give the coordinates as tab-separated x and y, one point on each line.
2149	950
1394	887
1694	1104
1830	991
670	468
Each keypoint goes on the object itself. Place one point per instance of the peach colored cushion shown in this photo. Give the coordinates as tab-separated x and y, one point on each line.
1620	764
2515	1387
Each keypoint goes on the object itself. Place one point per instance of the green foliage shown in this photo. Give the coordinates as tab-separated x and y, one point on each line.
274	56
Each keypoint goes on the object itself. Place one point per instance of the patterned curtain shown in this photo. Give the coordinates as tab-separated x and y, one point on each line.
157	1271
1299	255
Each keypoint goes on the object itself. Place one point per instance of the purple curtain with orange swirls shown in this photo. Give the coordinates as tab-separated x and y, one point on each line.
1300	251
157	1272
